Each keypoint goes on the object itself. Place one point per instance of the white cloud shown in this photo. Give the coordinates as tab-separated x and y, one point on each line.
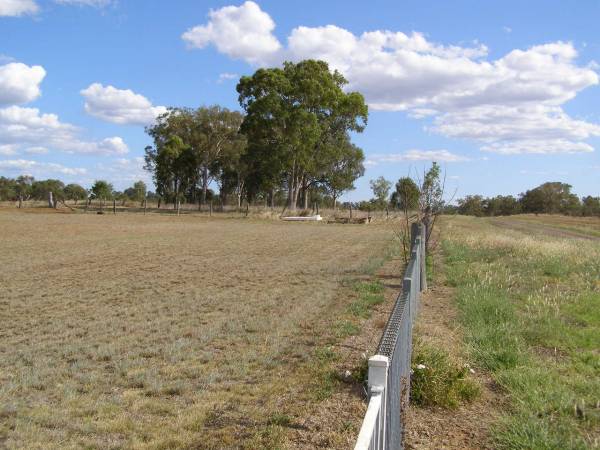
36	150
16	8
507	30
227	76
20	83
27	127
124	171
523	91
122	106
415	155
8	150
38	169
241	32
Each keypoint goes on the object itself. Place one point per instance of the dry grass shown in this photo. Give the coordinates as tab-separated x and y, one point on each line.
134	331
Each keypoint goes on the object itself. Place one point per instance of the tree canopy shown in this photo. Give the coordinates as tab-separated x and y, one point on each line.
297	123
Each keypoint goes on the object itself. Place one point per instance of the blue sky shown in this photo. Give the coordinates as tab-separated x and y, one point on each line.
504	94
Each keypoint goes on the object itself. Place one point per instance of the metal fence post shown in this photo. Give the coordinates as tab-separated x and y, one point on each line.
378	372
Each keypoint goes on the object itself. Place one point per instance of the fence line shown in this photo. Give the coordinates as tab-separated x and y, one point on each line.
389	369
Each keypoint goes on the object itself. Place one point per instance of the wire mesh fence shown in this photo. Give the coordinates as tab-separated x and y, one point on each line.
389	382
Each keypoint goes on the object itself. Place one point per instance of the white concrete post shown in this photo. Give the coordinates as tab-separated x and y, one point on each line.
378	372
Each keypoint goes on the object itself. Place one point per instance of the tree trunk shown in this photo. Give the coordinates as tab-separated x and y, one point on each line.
50	200
204	183
305	197
272	198
20	201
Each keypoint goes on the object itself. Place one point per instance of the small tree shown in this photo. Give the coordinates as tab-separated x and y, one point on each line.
75	192
431	200
137	192
406	198
381	190
102	190
406	195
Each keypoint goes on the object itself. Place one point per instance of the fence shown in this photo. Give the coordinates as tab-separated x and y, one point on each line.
389	369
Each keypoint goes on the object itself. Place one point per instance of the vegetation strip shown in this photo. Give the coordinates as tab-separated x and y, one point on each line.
530	307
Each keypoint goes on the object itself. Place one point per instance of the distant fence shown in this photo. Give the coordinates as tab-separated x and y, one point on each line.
389	369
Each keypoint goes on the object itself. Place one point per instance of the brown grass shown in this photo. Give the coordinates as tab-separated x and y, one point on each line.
134	331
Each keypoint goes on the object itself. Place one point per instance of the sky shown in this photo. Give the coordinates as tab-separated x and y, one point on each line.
504	95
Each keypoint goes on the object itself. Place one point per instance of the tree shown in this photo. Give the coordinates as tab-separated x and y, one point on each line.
173	166
590	206
8	189
431	200
406	195
75	192
343	170
23	187
472	205
502	206
102	190
381	190
208	132
137	192
295	116
41	189
550	198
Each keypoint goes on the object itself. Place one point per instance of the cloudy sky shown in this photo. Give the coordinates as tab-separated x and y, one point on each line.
504	94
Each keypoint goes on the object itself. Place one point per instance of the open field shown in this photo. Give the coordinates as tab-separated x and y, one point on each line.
135	331
528	300
552	225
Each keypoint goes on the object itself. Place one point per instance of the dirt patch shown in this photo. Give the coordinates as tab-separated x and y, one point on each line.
537	228
466	427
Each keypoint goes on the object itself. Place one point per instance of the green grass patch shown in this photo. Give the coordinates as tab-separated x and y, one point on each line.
369	294
531	314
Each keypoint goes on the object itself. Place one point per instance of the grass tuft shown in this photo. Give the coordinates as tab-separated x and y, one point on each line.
438	381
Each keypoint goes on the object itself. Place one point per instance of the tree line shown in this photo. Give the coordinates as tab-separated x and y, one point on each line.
292	141
25	187
548	198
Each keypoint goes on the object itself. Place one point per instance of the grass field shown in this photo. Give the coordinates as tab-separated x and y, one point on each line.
528	295
135	331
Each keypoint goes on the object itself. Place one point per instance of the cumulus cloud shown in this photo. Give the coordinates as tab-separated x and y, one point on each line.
241	32
20	83
16	8
28	127
464	91
122	106
38	169
125	171
415	155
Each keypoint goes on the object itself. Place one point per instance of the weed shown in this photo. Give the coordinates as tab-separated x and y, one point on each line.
438	381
